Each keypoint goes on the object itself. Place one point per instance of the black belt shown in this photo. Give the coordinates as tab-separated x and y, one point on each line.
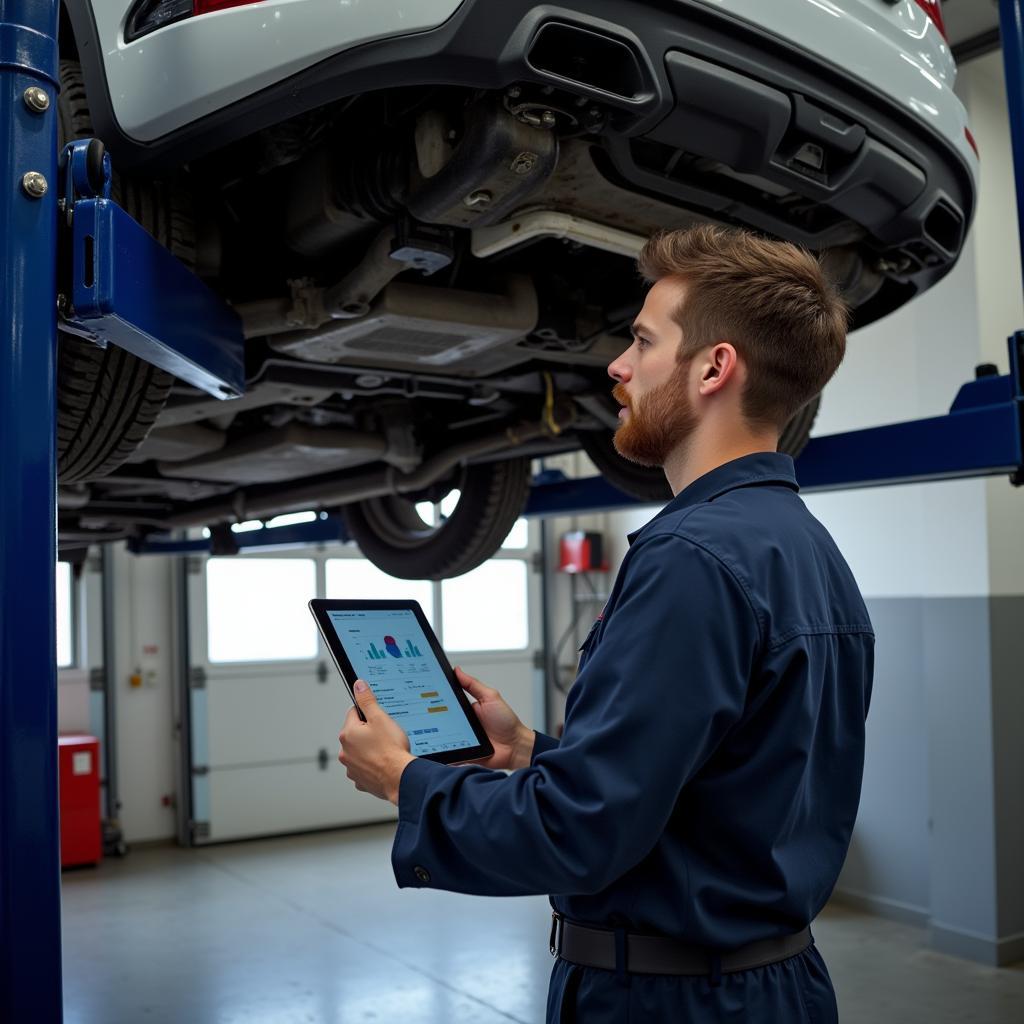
660	954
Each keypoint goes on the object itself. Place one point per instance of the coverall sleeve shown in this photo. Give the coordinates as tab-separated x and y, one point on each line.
541	744
665	683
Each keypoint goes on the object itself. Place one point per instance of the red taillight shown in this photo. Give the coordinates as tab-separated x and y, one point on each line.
971	142
933	8
206	6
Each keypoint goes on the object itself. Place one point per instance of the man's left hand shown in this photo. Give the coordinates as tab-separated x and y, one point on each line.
376	751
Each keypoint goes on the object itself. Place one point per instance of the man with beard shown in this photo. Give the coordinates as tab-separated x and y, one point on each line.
693	819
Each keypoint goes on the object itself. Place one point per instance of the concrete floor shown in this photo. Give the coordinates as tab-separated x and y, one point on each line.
312	930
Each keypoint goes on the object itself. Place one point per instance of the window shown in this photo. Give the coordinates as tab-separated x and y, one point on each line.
486	609
256	609
356	578
519	536
517	539
65	636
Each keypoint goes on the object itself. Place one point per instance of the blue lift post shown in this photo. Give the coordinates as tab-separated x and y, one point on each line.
1011	29
118	286
30	962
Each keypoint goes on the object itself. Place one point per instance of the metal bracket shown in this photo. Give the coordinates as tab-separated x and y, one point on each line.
119	286
197	678
1017	377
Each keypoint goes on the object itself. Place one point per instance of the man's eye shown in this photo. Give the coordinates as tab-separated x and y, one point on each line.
642	343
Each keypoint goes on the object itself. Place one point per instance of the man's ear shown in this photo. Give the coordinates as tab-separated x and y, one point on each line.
722	363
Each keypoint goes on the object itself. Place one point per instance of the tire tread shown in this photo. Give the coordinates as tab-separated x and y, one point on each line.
109	399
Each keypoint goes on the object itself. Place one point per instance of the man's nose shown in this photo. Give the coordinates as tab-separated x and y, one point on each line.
618	369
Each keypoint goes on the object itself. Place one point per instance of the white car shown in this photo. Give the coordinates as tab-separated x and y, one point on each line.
426	215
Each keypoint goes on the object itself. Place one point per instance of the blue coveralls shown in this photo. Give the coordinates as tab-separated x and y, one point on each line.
707	780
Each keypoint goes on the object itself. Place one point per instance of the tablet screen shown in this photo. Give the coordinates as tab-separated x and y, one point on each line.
388	649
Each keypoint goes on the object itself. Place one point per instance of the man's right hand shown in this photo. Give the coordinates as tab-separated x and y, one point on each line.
512	741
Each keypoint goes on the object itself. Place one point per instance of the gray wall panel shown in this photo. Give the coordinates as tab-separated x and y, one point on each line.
940	833
957	672
887	865
1007	627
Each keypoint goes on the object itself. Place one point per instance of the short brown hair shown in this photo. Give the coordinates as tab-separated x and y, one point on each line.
770	299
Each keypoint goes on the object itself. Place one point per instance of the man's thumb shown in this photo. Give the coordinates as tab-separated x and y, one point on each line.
364	697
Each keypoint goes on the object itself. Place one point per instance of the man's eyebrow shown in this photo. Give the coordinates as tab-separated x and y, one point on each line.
640	328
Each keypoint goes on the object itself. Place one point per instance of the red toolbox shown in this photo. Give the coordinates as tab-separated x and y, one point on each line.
79	768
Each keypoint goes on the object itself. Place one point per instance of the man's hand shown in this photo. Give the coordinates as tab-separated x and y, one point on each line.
512	741
376	751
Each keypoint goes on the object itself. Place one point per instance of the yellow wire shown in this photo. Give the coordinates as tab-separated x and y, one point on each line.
549	405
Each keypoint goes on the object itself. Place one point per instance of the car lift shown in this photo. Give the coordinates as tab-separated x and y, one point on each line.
113	284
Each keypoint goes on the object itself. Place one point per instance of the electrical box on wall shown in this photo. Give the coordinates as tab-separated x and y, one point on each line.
580	551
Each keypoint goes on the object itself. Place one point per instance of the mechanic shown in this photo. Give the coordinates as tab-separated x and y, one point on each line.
693	819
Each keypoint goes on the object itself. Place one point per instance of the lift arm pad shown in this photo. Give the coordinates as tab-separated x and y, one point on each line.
129	291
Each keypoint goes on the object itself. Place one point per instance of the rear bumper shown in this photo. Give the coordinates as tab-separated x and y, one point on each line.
695	79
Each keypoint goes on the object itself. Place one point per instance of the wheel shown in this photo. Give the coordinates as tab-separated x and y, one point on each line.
107	399
649	483
392	535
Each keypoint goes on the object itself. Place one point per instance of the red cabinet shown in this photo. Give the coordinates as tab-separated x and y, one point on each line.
79	767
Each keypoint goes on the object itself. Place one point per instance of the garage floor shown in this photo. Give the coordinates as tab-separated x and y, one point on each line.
312	930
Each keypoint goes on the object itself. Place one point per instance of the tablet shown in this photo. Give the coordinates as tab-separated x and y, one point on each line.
390	644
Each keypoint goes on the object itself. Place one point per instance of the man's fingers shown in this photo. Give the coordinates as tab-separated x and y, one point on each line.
365	698
473	685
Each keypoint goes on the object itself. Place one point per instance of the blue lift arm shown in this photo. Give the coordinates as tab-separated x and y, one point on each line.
127	290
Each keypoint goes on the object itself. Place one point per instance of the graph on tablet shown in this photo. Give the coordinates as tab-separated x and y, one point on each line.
386	648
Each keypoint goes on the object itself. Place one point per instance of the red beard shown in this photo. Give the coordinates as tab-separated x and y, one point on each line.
658	423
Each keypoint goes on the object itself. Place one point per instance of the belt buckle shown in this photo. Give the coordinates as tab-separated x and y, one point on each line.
554	942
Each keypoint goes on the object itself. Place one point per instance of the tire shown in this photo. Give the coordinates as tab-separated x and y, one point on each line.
649	483
391	534
108	399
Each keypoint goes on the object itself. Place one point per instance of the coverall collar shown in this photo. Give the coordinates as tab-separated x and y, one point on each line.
758	468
